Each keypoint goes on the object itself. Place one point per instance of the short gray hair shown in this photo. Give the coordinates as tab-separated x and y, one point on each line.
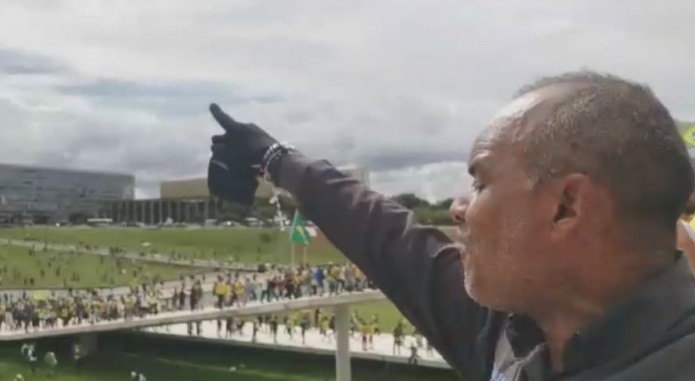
619	134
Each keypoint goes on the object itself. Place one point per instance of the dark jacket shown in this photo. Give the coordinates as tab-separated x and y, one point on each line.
648	336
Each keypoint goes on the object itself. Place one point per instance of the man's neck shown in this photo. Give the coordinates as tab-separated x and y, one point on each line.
559	328
578	310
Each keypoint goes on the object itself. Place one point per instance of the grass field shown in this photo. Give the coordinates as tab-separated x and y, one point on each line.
162	361
94	271
50	269
246	245
174	360
387	312
111	368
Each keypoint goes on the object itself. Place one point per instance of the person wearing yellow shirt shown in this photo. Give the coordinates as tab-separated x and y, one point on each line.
372	329
325	327
319	317
335	272
219	290
239	292
298	281
290	323
365	331
228	292
398	333
304	324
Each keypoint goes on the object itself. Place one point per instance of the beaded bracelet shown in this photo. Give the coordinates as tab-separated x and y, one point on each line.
273	153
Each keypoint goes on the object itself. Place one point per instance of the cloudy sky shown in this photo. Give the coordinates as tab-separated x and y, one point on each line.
399	86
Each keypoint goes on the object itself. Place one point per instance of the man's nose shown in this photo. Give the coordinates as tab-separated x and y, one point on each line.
457	210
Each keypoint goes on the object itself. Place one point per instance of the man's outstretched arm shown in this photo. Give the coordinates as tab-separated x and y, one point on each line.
416	266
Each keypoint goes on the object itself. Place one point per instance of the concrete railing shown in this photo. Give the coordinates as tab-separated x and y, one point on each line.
210	313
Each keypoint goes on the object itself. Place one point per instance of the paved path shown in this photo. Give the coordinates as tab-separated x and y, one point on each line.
148	257
120	290
383	344
207	313
315	343
167	288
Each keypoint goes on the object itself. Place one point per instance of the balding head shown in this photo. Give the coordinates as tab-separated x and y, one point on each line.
577	187
620	135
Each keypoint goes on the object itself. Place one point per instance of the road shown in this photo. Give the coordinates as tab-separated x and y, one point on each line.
148	257
167	288
16	332
383	348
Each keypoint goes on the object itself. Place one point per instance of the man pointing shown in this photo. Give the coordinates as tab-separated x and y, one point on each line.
565	266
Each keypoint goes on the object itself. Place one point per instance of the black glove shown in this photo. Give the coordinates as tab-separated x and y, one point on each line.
237	157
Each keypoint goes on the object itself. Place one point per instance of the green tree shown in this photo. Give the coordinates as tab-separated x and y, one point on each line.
410	200
444	204
432	216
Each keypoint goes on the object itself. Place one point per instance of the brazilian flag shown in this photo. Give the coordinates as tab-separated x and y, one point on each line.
687	131
299	234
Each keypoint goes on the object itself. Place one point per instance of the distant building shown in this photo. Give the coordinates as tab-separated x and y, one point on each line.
187	200
196	188
51	194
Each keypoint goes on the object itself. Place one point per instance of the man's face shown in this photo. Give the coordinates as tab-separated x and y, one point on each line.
504	235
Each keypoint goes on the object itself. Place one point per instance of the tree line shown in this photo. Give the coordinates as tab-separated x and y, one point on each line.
427	213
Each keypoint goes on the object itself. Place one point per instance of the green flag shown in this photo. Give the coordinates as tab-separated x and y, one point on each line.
299	234
687	131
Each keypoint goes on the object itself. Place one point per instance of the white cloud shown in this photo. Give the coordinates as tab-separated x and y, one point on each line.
435	182
392	85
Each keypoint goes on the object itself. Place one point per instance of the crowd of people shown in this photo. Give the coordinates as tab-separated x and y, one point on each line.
297	324
364	328
279	284
31	311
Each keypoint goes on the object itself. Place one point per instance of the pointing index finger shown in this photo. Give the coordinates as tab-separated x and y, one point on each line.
224	120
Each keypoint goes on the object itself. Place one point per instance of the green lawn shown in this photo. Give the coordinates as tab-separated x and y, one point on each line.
169	361
247	245
388	314
87	270
50	269
175	360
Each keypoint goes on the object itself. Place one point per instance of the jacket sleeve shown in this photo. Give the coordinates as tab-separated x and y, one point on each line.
417	267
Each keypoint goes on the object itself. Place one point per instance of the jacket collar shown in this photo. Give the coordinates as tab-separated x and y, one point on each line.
631	324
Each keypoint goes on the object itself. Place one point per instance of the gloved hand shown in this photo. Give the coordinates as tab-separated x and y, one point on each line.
237	156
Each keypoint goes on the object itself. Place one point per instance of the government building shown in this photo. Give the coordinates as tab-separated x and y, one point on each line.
188	201
47	195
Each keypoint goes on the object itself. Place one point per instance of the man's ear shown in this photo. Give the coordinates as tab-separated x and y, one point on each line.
570	197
